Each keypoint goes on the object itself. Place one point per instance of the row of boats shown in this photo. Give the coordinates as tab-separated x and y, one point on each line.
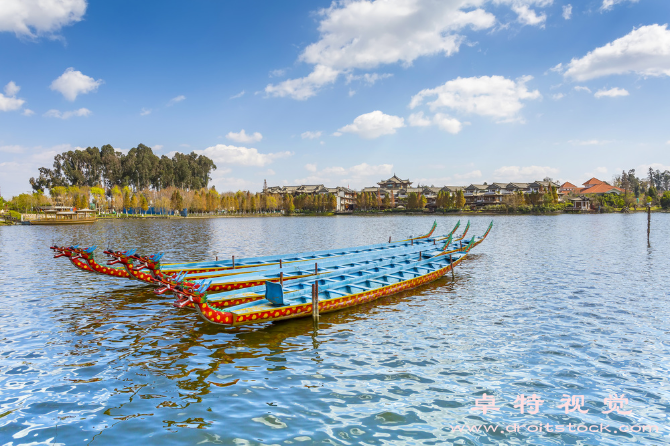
270	288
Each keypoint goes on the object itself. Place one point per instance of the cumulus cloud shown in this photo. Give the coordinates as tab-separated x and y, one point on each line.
53	113
365	34
493	96
445	122
608	4
644	51
567	12
11	89
580	88
241	156
175	100
311	167
418	120
238	95
310	135
557	96
528	16
11	102
31	18
373	125
242	137
524	173
304	87
28	112
73	83
611	93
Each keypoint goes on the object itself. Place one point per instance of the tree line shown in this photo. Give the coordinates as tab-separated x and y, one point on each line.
140	169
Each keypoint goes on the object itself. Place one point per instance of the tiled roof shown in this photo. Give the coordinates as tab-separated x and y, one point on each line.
567	185
593	181
602	188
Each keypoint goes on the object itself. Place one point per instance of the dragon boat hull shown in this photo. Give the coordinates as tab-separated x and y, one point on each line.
230	318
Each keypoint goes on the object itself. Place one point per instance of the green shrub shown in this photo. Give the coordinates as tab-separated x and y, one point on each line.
665	200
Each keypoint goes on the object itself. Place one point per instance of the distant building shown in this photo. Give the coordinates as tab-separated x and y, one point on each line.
394	183
346	198
596	187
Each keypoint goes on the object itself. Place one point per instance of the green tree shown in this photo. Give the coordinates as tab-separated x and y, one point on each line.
665	200
291	207
460	199
176	201
144	204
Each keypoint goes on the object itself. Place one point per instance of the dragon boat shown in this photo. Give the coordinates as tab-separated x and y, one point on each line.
155	272
183	290
333	293
84	259
296	270
197	295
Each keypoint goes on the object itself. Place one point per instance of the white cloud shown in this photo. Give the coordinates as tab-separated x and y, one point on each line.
145	111
612	92
493	96
528	16
557	96
567	12
241	156
277	73
352	92
373	125
28	112
242	137
157	147
11	102
310	135
580	88
644	51
73	83
304	87
525	173
337	133
447	123
31	18
11	89
607	4
355	176
469	175
365	34
589	142
12	149
175	100
668	142
368	78
597	172
418	120
238	95
53	113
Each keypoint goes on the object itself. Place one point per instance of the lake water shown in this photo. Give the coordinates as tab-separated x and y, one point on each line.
574	305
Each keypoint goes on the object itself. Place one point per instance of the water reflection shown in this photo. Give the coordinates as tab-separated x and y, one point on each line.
549	305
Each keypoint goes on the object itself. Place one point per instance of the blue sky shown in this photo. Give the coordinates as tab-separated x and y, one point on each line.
447	92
